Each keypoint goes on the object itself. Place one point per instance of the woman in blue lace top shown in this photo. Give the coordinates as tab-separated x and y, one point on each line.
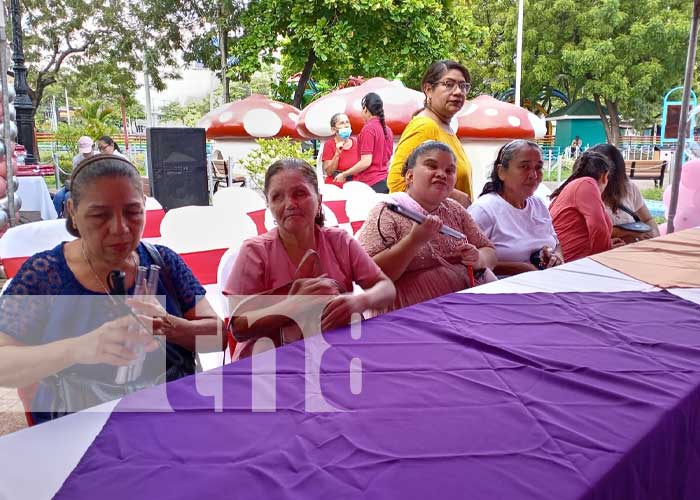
60	313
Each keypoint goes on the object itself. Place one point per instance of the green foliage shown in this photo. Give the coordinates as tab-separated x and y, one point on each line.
626	53
653	194
344	37
94	46
187	115
269	151
67	138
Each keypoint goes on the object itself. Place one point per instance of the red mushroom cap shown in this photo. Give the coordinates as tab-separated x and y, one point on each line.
488	118
255	116
400	103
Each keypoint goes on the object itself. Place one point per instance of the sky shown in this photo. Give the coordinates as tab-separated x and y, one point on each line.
194	84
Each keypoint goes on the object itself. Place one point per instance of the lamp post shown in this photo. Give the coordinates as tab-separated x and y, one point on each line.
23	103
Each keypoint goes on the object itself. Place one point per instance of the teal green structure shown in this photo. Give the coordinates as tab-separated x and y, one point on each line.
580	118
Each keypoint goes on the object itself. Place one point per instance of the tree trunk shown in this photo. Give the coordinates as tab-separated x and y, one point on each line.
614	122
223	44
303	79
611	124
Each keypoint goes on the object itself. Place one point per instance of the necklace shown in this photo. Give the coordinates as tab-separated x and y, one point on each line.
94	272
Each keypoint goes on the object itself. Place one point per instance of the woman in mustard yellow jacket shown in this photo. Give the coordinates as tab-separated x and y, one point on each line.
445	85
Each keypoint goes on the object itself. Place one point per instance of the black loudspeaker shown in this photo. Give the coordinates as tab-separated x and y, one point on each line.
177	166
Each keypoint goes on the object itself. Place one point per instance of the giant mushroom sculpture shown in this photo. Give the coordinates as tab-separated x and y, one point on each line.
400	103
235	126
485	124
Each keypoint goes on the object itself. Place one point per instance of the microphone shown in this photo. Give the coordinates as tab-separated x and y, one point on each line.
419	218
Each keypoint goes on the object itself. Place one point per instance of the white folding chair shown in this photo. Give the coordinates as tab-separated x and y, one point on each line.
21	242
238	200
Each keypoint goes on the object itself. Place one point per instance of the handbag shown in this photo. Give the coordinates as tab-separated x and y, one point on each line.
73	392
637	226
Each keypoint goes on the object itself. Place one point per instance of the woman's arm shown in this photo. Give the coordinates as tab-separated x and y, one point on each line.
646	217
395	260
200	320
360	166
588	203
22	365
505	268
330	166
379	294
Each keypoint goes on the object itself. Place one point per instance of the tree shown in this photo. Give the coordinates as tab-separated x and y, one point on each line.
336	38
624	54
98	44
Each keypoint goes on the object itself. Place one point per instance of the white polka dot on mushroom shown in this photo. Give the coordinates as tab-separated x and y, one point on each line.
514	121
293	116
277	105
467	110
393	95
262	123
318	115
225	116
491	112
344	91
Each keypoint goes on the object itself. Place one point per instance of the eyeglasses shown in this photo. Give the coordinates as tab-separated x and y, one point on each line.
451	84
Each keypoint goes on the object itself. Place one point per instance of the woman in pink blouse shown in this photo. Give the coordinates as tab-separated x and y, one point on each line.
423	263
578	214
299	269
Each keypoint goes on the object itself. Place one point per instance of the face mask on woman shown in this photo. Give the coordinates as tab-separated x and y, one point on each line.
344	132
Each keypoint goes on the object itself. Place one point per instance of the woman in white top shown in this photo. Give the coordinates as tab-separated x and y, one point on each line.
622	196
517	222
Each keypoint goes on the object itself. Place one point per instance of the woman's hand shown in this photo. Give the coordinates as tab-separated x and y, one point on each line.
423	233
314	286
152	313
550	258
340	178
469	254
617	242
339	311
108	343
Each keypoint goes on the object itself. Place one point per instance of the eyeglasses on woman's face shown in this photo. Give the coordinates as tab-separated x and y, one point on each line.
450	85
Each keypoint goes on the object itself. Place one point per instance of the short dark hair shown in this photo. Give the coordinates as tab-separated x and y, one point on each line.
306	171
505	154
422	149
97	167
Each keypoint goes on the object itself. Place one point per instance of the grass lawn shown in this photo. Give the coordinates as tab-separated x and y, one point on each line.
653	194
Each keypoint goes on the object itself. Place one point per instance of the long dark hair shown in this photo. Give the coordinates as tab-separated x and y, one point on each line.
618	182
505	155
589	164
306	171
374	104
96	167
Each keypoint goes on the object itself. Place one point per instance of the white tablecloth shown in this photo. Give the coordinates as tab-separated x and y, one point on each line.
34	462
35	197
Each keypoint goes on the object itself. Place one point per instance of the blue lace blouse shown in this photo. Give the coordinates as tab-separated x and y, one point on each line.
45	302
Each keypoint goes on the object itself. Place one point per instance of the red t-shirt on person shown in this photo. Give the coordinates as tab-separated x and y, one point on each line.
381	147
580	220
348	157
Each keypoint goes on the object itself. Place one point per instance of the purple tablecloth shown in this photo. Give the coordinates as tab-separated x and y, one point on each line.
561	396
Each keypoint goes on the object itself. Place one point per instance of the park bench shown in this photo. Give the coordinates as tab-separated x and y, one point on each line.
647	169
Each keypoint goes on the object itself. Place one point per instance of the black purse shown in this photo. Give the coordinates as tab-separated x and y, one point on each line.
637	226
72	392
